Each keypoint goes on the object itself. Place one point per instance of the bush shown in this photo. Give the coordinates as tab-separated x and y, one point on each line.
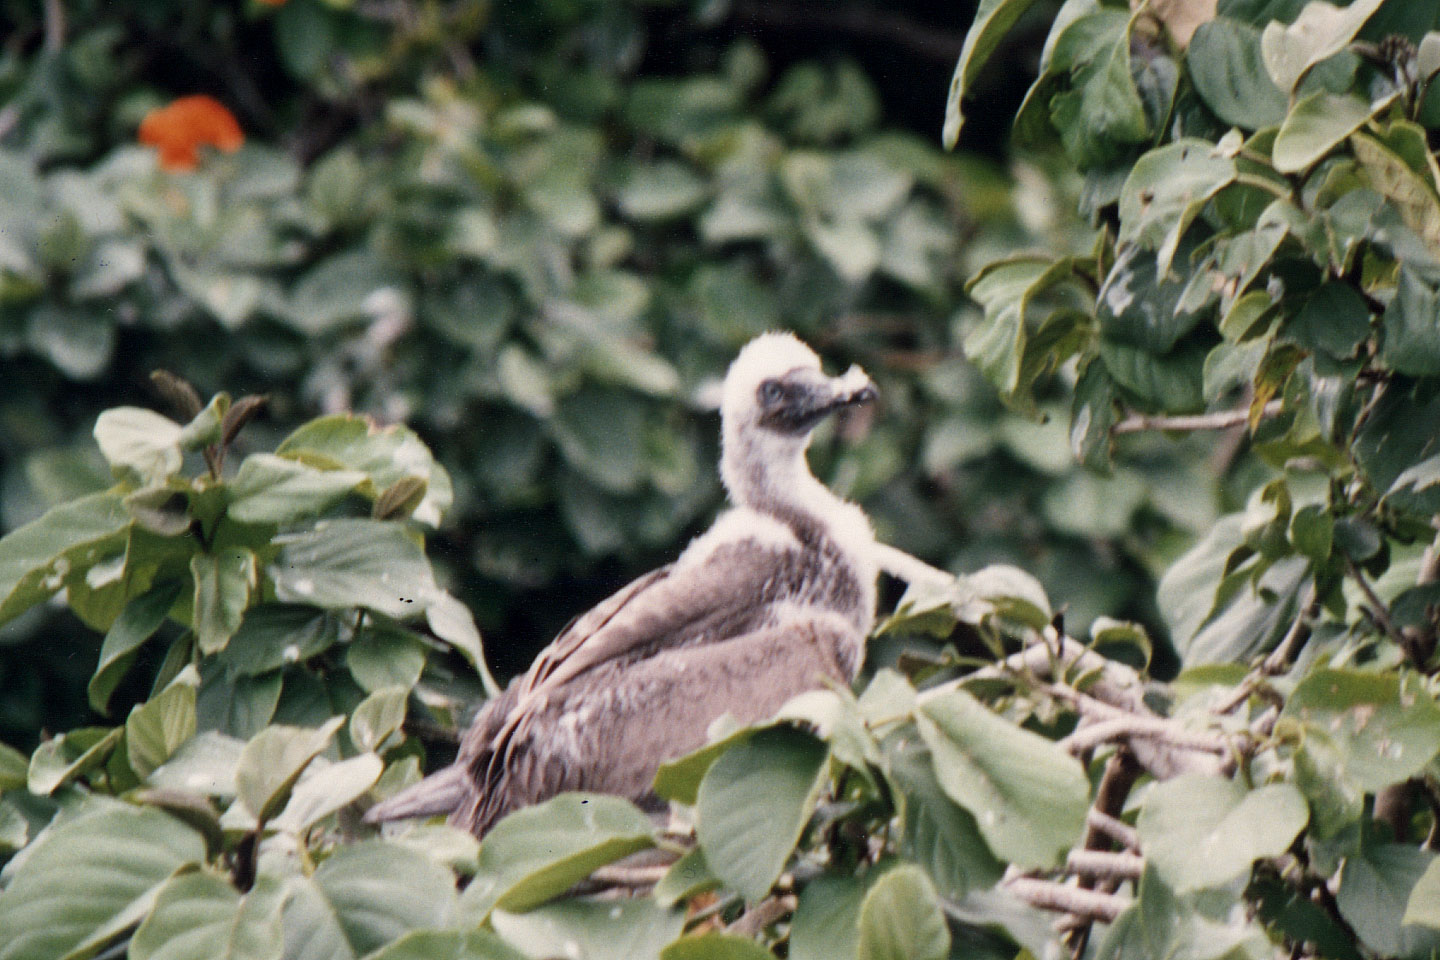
1262	192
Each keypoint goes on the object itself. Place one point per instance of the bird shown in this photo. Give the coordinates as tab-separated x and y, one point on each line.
774	599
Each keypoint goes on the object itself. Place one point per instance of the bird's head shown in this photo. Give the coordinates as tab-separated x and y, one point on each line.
774	395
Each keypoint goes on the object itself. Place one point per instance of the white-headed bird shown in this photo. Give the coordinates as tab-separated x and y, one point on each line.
776	597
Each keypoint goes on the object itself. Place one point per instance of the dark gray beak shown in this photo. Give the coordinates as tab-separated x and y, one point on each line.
796	402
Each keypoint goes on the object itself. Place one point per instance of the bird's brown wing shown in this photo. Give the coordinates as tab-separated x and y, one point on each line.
694	603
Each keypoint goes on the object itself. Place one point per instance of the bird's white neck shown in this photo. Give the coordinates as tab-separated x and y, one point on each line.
768	473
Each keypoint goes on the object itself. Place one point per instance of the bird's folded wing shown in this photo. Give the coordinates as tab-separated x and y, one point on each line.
723	593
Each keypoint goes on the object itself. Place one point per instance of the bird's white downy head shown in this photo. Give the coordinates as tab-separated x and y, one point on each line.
775	393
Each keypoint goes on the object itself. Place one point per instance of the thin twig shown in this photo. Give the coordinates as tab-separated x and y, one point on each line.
763	914
1104	863
1048	895
1278	659
1113	828
1221	420
616	875
54	25
1378	610
1168	732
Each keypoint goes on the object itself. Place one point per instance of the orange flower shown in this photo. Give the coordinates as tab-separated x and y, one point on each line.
179	129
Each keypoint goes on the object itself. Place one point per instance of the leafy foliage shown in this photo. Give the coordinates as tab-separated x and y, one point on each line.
577	256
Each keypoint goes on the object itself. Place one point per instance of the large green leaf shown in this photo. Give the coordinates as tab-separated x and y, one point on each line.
272	762
826	925
139	442
362	898
199	916
993	19
36	558
1412	328
1228	73
592	930
340	564
386	454
156	729
89	878
1200	831
539	852
753	803
1375	887
940	835
1166	189
1290	51
448	945
715	946
1317	124
139	620
1423	907
1370	729
1027	794
275	634
271	489
223	583
326	787
901	919
61	759
1103	111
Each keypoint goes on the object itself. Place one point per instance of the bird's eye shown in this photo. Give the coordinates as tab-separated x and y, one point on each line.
771	391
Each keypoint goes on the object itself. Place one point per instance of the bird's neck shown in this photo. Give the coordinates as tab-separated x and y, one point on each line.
776	480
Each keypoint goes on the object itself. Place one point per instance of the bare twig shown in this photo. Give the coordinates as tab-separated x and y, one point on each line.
618	875
763	914
1048	895
1113	829
54	25
1222	420
1168	732
1103	863
1377	608
1279	659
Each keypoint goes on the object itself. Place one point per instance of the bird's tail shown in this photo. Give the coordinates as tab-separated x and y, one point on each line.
438	793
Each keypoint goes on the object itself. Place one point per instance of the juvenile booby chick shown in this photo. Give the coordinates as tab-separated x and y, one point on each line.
776	596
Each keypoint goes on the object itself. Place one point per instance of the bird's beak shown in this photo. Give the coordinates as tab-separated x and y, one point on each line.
853	387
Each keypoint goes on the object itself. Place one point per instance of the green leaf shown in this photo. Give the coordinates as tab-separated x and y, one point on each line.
901	919
715	946
687	877
341	564
272	762
1312	530
223	582
1395	447
1317	124
326	787
939	835
1371	729
1225	65
139	620
1335	320
378	716
1412	328
384	656
1375	888
1322	30
198	916
660	191
334	292
1412	194
539	852
993	19
1173	382
1013	346
753	803
63	758
1166	189
826	925
14	768
273	635
448	945
386	454
118	855
240	707
204	764
36	558
1027	794
679	779
1103	112
139	441
155	730
1201	831
1423	908
271	489
365	896
451	621
593	930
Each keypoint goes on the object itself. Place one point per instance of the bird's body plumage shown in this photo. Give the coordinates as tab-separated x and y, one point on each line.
774	599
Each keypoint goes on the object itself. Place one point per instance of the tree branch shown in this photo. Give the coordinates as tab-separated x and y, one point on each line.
763	914
1105	864
1222	420
1168	732
1112	828
1048	895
